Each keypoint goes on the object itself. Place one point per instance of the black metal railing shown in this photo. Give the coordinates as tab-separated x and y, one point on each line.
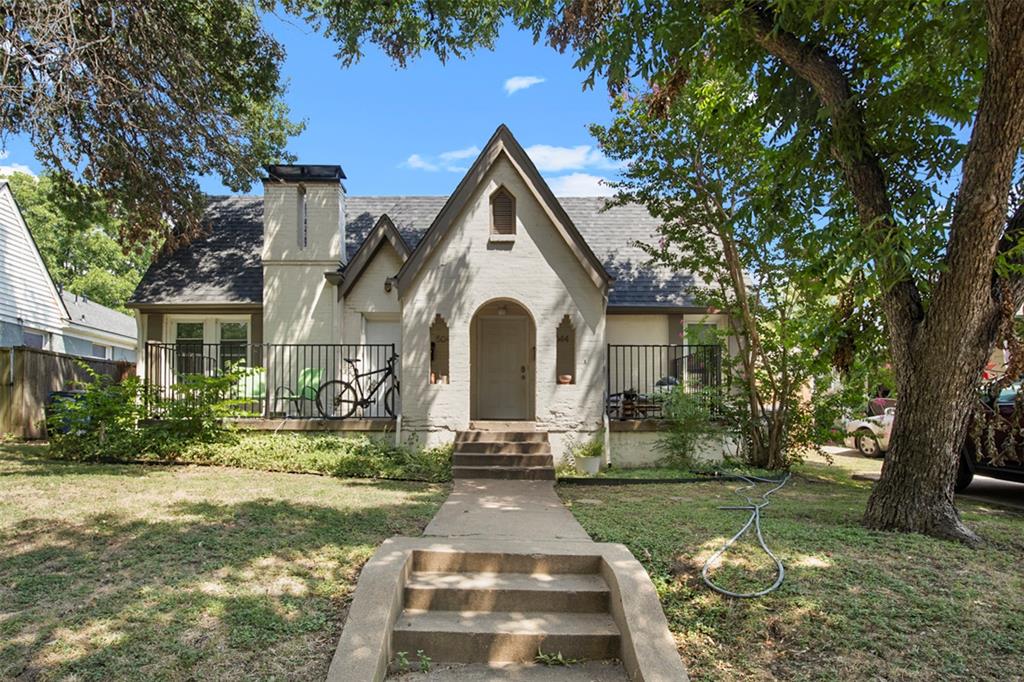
641	376
279	380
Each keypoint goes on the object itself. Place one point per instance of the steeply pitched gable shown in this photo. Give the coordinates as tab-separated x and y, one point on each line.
502	142
384	230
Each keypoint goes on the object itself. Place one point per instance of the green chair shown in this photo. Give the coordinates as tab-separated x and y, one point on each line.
309	382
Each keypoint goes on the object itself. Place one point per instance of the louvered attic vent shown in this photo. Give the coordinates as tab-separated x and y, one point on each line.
503	212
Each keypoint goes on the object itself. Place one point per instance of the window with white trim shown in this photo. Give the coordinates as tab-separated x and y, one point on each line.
208	344
98	350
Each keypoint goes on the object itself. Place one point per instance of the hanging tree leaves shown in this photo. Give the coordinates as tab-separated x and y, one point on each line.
132	101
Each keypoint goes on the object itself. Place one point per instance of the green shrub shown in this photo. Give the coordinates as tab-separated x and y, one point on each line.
688	417
328	454
109	422
109	419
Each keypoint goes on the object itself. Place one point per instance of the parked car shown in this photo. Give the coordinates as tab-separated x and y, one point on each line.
1000	414
870	434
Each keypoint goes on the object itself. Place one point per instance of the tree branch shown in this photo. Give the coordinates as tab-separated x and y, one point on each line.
852	151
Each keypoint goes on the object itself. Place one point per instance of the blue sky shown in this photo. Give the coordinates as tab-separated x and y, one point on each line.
415	131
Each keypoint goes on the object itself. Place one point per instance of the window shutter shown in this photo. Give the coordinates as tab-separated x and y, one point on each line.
503	212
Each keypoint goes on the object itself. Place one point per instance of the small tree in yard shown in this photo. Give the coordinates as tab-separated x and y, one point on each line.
867	105
698	163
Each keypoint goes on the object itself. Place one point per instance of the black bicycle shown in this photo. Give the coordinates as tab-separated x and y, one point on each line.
339	399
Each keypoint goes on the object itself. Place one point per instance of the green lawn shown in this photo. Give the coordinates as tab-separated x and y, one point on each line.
150	572
856	604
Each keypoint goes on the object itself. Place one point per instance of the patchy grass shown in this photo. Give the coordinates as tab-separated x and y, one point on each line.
856	604
152	572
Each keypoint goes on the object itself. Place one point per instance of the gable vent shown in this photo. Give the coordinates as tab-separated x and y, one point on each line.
503	212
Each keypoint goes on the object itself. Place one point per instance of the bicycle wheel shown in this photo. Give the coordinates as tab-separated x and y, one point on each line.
390	397
337	400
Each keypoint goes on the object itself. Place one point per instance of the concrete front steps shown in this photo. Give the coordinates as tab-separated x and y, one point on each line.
496	608
503	454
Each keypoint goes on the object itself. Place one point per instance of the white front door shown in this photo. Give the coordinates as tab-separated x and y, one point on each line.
503	378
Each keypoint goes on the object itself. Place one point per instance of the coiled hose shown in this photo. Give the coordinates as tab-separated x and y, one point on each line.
755	520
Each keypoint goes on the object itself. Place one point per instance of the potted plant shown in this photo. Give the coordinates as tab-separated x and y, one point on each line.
588	455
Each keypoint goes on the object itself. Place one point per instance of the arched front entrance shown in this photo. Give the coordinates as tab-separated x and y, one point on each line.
502	373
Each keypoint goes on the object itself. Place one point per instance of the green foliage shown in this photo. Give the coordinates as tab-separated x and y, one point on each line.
688	417
424	661
592	447
108	421
402	661
357	456
554	660
79	246
135	102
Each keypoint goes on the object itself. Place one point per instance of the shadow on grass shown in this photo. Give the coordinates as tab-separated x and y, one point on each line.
208	591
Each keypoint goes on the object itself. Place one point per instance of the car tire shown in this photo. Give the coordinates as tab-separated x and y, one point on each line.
964	475
867	444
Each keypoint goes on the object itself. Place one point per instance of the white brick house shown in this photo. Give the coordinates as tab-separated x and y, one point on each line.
502	301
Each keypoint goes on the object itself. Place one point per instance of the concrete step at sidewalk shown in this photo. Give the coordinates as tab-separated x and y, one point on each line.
501	436
455	561
492	591
586	671
505	636
504	447
510	473
499	425
482	459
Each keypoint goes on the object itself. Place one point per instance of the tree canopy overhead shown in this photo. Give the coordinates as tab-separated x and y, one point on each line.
902	123
134	101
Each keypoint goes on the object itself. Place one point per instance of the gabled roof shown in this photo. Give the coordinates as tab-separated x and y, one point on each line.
231	271
91	315
34	290
383	230
503	142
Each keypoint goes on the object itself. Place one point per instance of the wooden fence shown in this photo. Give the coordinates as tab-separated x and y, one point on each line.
28	376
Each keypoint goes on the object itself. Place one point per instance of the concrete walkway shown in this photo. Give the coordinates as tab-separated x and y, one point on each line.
505	510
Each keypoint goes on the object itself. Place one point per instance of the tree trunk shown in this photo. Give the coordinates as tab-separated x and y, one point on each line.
936	393
938	350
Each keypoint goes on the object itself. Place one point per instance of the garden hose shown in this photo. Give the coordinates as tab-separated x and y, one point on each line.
755	521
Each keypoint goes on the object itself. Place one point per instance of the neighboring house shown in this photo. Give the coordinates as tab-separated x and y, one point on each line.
97	331
34	313
503	301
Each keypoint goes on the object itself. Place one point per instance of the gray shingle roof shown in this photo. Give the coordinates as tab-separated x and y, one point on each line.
224	267
86	313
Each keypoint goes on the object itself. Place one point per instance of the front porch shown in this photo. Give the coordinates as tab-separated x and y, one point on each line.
299	387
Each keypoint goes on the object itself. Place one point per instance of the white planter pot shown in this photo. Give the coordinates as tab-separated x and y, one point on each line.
589	465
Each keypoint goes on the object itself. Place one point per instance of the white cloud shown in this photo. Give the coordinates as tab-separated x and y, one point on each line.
552	159
417	162
13	168
459	154
517	83
580	185
4	154
443	161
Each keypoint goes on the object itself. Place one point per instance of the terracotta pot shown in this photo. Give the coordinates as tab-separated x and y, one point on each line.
565	378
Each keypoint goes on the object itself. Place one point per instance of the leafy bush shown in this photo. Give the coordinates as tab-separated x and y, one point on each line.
688	416
108	420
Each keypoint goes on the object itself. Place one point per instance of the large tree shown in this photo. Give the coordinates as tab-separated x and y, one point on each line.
906	115
136	100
